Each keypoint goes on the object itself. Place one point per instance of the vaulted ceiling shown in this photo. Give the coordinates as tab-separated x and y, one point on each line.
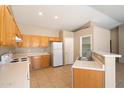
68	17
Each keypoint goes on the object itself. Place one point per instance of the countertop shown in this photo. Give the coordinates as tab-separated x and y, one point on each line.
20	55
91	65
13	75
106	54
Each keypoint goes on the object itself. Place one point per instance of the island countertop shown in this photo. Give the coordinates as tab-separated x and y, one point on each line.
91	65
106	54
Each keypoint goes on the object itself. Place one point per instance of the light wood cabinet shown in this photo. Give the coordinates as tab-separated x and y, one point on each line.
26	41
7	28
36	62
1	25
44	42
35	41
54	39
83	78
41	61
19	35
13	34
45	61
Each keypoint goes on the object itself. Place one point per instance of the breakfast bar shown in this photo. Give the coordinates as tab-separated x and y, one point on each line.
98	73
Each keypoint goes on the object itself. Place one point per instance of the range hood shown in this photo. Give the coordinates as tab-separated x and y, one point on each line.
18	39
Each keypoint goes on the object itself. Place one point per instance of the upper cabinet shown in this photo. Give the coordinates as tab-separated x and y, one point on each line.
1	25
44	42
54	39
35	41
32	41
8	28
26	41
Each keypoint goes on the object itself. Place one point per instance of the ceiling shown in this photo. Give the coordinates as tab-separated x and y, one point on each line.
114	11
70	17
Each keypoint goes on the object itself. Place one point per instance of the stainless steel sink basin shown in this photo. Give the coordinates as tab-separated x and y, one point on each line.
84	58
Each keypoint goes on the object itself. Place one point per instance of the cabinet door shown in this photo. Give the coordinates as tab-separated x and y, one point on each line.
45	61
18	33
54	39
26	41
1	25
35	41
36	62
7	28
83	78
13	32
44	41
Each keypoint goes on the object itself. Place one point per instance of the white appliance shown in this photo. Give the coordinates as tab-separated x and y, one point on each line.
5	58
57	54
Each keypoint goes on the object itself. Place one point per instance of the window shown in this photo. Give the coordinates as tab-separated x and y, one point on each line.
85	46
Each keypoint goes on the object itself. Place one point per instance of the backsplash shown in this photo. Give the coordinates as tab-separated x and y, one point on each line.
4	50
31	50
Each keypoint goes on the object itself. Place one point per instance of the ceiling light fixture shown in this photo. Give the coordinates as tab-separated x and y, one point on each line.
40	13
56	17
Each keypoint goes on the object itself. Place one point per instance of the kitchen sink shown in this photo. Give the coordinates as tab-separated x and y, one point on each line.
84	58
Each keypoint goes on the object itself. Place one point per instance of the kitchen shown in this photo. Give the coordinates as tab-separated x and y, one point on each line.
32	56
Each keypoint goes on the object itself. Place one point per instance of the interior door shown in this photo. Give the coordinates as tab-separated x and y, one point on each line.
68	50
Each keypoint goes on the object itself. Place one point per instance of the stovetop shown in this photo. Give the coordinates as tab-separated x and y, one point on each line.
19	60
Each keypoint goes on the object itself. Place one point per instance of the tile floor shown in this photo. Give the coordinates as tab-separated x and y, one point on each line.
61	77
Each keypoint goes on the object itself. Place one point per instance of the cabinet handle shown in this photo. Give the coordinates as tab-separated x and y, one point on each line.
28	78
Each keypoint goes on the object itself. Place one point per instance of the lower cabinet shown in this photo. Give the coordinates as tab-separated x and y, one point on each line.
38	62
84	78
45	61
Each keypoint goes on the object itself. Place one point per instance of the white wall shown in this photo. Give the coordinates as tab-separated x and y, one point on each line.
36	30
77	35
101	39
121	43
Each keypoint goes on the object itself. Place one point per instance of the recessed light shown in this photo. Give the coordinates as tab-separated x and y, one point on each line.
56	17
40	13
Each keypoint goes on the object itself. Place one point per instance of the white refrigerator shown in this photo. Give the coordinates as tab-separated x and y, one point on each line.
57	54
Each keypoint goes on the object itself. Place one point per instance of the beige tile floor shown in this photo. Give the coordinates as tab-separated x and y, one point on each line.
61	77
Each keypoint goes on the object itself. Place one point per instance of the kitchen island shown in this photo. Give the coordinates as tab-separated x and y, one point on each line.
88	74
98	73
